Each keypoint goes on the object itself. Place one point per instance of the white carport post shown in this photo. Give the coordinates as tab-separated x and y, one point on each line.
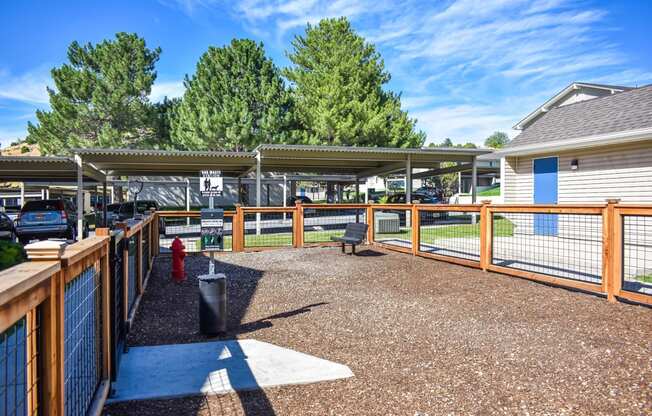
285	194
187	199
408	189
474	180
80	197
474	185
22	194
258	192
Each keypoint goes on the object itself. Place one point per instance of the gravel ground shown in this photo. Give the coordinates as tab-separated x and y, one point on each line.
422	337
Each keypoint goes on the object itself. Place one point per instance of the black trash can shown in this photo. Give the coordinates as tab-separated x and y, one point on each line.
212	304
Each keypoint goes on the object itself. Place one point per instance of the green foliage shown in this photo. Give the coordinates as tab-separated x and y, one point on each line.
235	101
338	79
11	254
161	115
498	140
447	182
100	98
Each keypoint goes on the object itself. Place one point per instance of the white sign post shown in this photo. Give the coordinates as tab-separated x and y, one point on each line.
211	185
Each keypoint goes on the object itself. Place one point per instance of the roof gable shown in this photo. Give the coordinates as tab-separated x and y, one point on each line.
569	95
629	110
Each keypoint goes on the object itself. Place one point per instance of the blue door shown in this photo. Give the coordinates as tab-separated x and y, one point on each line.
545	192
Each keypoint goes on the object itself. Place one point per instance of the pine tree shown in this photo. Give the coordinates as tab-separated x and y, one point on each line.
236	100
100	98
338	83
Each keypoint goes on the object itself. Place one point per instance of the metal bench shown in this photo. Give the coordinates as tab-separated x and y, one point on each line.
354	234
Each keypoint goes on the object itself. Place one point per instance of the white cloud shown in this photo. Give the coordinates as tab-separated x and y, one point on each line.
189	7
464	123
29	87
466	68
170	89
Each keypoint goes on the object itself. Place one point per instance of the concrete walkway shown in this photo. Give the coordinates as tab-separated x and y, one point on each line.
166	371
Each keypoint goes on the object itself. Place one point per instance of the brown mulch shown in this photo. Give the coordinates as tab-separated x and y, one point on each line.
422	337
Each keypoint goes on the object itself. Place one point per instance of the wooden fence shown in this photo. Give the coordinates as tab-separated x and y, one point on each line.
64	316
601	248
56	324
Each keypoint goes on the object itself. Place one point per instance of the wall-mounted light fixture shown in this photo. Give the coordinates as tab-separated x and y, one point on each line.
575	164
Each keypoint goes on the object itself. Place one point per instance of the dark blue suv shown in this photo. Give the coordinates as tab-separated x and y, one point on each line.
49	218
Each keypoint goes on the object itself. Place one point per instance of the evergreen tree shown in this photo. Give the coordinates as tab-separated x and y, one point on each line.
235	101
338	83
100	98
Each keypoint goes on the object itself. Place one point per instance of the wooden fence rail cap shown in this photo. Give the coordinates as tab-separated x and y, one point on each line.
45	250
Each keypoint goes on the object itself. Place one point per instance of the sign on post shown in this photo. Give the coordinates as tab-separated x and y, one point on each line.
211	183
212	229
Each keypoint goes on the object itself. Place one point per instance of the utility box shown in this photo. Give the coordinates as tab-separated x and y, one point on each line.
212	229
387	223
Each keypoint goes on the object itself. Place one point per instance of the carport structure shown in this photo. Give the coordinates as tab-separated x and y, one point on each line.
53	169
357	163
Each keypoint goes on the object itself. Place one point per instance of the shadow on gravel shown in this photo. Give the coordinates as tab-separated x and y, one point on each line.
168	314
369	253
267	321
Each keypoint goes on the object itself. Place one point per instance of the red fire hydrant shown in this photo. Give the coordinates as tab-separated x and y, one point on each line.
178	254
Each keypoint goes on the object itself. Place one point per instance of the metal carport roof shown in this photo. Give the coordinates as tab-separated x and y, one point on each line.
133	162
26	168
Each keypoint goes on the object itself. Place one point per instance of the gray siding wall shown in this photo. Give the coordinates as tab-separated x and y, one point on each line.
623	171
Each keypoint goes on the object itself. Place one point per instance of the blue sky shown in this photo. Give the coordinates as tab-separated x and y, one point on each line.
464	68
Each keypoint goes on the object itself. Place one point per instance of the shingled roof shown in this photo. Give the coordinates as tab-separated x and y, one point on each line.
627	110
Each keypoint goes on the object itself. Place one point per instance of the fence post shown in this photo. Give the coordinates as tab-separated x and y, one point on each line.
486	234
416	228
156	234
297	224
370	223
611	252
238	230
52	327
139	261
107	296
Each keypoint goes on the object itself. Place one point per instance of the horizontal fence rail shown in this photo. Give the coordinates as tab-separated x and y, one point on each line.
602	248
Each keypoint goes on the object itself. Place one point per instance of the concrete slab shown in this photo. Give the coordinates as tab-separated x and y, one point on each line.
166	371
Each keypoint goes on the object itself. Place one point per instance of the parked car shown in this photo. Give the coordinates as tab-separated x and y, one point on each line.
48	218
399	198
125	210
7	229
292	199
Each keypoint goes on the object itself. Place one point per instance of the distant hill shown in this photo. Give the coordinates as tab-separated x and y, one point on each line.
21	149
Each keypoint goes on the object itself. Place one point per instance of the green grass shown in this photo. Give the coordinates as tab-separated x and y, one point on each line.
645	278
502	228
495	191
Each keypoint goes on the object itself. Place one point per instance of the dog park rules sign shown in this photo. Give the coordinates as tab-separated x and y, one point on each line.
211	183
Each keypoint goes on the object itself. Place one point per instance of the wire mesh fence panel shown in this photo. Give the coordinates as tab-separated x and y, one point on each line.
82	341
18	367
560	245
319	225
268	229
132	274
637	254
450	233
188	229
118	327
393	227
